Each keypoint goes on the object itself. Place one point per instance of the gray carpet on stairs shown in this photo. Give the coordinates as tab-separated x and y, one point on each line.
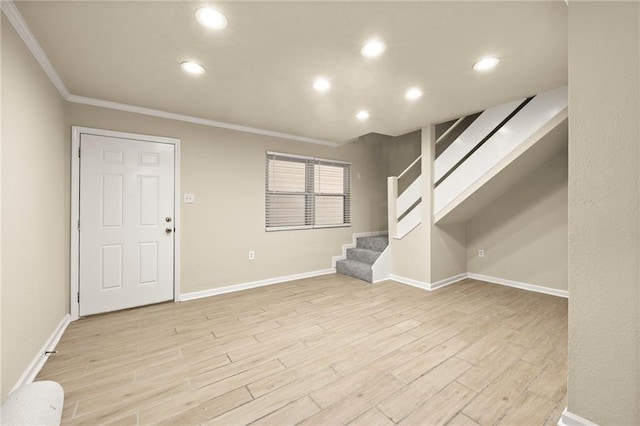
361	258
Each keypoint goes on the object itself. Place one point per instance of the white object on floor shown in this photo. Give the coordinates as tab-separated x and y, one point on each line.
37	403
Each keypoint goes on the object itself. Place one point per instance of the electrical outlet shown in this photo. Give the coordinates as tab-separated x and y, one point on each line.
189	198
252	255
480	253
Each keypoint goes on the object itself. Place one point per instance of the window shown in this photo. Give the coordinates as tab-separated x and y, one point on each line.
304	192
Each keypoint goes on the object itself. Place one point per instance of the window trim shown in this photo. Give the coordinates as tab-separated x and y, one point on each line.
308	160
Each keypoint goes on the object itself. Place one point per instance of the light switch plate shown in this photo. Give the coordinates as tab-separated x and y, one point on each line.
189	198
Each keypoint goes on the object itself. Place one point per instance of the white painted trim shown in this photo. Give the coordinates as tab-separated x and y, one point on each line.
381	268
479	277
447	281
253	284
450	129
520	285
74	258
11	12
75	206
410	166
409	222
570	419
409	196
429	286
410	281
195	120
352	244
39	360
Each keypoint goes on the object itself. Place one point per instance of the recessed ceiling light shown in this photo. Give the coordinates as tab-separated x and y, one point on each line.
211	18
192	67
321	84
413	94
486	64
362	115
372	49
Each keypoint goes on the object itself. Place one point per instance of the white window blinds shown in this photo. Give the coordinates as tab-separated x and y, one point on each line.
305	192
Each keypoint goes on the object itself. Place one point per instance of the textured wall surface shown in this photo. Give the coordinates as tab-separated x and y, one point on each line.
604	192
35	208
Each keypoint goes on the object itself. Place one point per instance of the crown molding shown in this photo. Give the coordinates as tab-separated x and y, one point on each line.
195	120
11	12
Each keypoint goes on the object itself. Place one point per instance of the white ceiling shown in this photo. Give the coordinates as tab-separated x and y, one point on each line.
260	69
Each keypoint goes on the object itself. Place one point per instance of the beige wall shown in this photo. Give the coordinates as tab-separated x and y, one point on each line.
35	208
448	251
524	233
604	211
225	171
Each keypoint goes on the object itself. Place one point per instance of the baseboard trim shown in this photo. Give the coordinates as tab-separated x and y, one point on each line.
352	244
520	285
429	286
570	419
253	284
410	281
448	281
40	359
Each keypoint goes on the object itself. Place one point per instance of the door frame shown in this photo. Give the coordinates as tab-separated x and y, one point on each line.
76	131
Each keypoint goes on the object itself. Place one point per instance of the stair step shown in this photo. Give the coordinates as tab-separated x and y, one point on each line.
355	269
377	243
363	255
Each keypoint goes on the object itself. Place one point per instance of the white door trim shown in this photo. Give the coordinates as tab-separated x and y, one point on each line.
75	206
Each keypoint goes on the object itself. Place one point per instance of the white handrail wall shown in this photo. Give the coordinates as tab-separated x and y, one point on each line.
409	197
539	111
485	123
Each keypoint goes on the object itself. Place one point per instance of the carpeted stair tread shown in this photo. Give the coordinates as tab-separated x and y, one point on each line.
355	269
363	255
377	243
361	258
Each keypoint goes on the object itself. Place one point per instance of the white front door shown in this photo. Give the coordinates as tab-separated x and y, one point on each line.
126	223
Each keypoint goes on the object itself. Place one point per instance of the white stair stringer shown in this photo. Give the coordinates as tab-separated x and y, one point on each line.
531	138
382	266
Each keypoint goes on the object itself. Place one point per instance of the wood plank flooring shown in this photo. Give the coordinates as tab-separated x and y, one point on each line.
330	350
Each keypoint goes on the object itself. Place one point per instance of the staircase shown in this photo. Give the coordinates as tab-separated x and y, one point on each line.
478	159
360	259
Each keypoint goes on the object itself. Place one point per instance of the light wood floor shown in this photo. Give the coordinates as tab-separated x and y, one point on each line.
329	350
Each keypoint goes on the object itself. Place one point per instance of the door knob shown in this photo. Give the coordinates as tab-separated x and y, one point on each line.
168	230
167	219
